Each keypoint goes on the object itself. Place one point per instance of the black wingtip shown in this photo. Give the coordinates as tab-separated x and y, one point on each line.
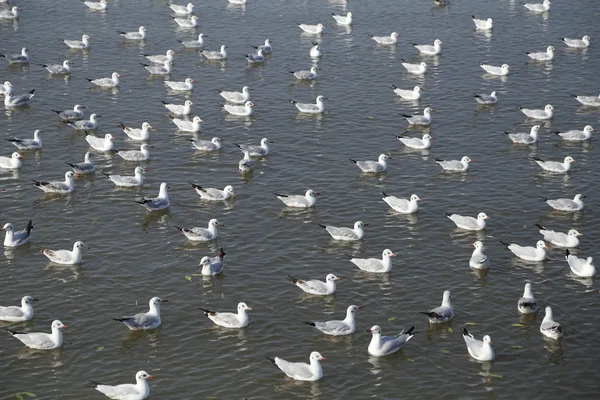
354	161
308	323
293	102
567	252
293	279
13	332
206	312
280	195
406	115
122	125
32	91
448	214
118	319
70	165
88	79
410	331
465	332
543	198
178	228
537	159
506	133
573	95
195	186
472	16
384	195
271	360
504	243
540	226
322	226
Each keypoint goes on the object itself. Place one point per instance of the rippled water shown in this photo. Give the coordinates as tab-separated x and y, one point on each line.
135	256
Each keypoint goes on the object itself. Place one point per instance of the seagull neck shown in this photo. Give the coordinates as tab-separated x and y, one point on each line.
315	367
154	310
478	251
57	336
213	230
27	309
375	341
527	293
9	237
387	263
349	320
142	387
446	303
163	193
242	316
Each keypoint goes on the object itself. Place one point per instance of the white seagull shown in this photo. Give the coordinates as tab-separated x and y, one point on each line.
386	40
240	111
592	101
306	75
527	303
347	326
184	86
417	143
193	126
18	314
549	327
84	125
139	35
299	201
537	7
246	164
14	238
582	267
164	69
230	320
66	257
312	29
147	320
428	49
256	58
28	144
547	55
201	234
423	120
317	287
455	165
487	99
479	260
569	239
137	133
316	51
577	136
373	166
216	55
84	43
493	70
12	162
414	94
107	83
566	204
236	97
13	13
158	203
416	69
206	145
375	265
128	181
385	345
212	265
479	350
86	167
71	115
525	138
101	144
555	166
483	24
143	154
194	44
546	113
213	194
469	223
346	234
443	313
528	253
62	187
42	341
96	5
582	43
182	10
59	69
301	371
256	151
127	391
343	19
18	101
22	58
266	48
403	206
192	22
179	109
309	108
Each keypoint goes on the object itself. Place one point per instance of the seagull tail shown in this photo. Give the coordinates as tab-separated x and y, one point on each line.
505	244
465	332
206	312
354	161
543	198
540	226
198	187
271	359
308	323
567	253
322	226
293	102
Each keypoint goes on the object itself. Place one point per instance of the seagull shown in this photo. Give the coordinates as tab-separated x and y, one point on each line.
229	320
14	238
317	287
479	350
266	48
86	167
547	55
136	155
136	133
537	7
212	194
158	203
128	181
428	49
184	86
487	99
42	341
22	58
212	266
18	101
346	234
236	97
483	24
164	69
256	58
206	145
338	328
66	257
12	162
386	40
582	267
61	187
305	75
577	136
492	70
59	69
246	164
591	101
301	371
178	109
75	114
312	29
566	204
403	206
415	143
375	265
240	111
385	345
417	69
256	151
414	94
569	239
139	35
546	113
216	55
298	201
423	120
84	43
343	20
182	10
28	144
106	83
443	313
316	51
582	43
127	391
525	138
147	320
194	44
100	144
84	125
192	126
201	234
528	253
555	166
527	303
309	108
18	314
96	5
549	327
13	13
478	259
6	88
187	23
469	223
461	165
373	166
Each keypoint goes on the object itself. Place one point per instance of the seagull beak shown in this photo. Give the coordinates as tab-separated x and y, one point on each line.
201	120
150	147
151	127
164	301
323	358
359	307
20	156
337	279
150	376
545	246
65	327
393	255
35	299
490	341
249	308
317	194
580	234
488	217
368	330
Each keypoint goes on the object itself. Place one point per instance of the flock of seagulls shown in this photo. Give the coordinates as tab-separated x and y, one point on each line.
240	104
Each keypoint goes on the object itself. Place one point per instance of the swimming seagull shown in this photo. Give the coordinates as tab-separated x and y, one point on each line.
138	391
414	94
18	314
549	327
147	320
236	97
416	69
479	350
213	194
14	238
18	101
386	40
416	143
212	265
61	187
206	145
385	345
309	108
403	206
185	125
469	223
528	253
555	166
28	144
229	320
582	43
182	10
301	371
184	86
22	58
483	24
306	75
96	5
316	51
256	58
569	239
86	167
422	120
201	234
6	88
58	69
178	109
317	287
137	133
128	181
577	136
71	115
139	35
566	204
537	7
487	99
525	138
143	154
42	341
12	162
375	265
158	203
582	267
164	69
347	326
194	44
493	70
346	234
373	166
101	144
592	101
216	55
13	13
547	55
299	201
478	260
111	82
546	113
256	151
84	125
192	22
527	303
66	257
312	29
443	313
428	49
266	48
246	164
240	111
461	165
84	43
343	19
